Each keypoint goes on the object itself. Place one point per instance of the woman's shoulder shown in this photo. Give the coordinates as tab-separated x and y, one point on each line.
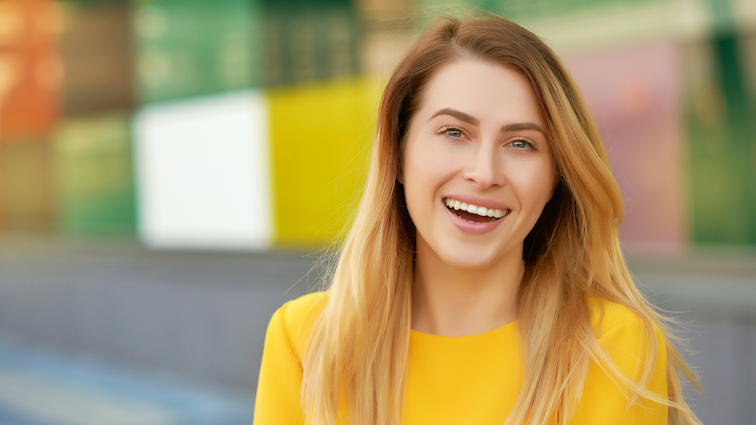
296	317
624	335
609	317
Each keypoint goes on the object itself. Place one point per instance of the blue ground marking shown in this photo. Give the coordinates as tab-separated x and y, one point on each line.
8	417
193	404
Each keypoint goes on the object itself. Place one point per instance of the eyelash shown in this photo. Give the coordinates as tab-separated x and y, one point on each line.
446	129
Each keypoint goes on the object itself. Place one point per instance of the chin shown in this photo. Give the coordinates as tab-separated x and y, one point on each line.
472	259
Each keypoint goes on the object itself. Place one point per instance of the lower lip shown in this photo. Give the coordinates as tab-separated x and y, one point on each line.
473	228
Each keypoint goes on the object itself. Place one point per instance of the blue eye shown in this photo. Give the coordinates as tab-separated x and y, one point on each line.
520	144
454	132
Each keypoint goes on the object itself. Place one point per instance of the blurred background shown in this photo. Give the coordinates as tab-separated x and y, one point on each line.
170	171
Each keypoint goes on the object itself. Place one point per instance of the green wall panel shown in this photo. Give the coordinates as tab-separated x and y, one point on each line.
94	176
723	156
523	9
187	48
310	42
283	4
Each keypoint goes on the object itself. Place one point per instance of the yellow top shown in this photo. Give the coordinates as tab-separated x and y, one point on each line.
462	380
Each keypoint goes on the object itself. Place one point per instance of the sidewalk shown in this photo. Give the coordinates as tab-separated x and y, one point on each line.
40	388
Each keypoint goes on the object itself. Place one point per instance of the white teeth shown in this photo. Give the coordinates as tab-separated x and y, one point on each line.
474	209
501	213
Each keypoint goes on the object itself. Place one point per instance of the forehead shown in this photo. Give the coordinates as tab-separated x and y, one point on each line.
491	93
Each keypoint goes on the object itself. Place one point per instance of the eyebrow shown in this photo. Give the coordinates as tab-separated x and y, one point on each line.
457	114
519	126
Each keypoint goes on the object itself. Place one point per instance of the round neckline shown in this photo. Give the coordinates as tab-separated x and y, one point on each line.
458	338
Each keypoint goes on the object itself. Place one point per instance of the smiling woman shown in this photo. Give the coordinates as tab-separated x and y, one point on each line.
485	152
482	281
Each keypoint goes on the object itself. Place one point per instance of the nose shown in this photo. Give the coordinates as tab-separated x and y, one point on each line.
484	168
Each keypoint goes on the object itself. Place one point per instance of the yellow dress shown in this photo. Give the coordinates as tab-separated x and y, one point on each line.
462	380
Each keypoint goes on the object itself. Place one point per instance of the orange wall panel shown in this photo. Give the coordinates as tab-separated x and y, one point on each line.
30	68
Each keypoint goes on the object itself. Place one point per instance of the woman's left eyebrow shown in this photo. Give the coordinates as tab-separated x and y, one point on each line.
519	126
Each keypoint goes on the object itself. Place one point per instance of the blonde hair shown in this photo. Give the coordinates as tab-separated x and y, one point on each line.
358	348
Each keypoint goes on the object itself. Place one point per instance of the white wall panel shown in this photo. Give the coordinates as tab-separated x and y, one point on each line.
203	174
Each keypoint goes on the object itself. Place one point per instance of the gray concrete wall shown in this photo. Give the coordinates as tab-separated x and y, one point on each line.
199	315
712	292
203	315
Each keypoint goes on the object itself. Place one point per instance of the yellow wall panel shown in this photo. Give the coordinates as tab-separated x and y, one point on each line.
321	136
26	190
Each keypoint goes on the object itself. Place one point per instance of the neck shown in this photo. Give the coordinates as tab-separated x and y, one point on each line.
448	300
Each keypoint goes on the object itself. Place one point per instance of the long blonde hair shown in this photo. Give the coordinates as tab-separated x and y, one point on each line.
358	349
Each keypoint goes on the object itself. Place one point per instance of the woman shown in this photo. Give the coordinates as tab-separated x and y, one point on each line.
482	281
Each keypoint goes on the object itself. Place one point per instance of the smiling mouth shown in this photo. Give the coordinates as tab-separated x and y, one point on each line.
473	213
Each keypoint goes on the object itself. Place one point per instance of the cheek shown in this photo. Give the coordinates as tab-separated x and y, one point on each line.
426	169
534	183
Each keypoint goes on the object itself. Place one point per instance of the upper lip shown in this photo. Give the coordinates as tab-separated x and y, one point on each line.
486	203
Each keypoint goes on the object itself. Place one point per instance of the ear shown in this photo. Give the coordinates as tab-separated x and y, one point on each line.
400	174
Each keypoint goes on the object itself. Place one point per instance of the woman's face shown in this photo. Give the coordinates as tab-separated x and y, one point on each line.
477	166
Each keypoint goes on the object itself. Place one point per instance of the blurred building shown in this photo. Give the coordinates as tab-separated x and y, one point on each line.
247	124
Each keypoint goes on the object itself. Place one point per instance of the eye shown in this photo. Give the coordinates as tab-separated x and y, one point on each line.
452	132
522	144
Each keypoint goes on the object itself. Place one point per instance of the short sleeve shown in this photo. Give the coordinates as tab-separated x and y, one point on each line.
603	402
278	388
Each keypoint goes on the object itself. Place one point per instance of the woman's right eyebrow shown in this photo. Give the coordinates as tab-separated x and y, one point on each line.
457	114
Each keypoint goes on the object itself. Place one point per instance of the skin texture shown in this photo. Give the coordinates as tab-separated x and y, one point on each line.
466	283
